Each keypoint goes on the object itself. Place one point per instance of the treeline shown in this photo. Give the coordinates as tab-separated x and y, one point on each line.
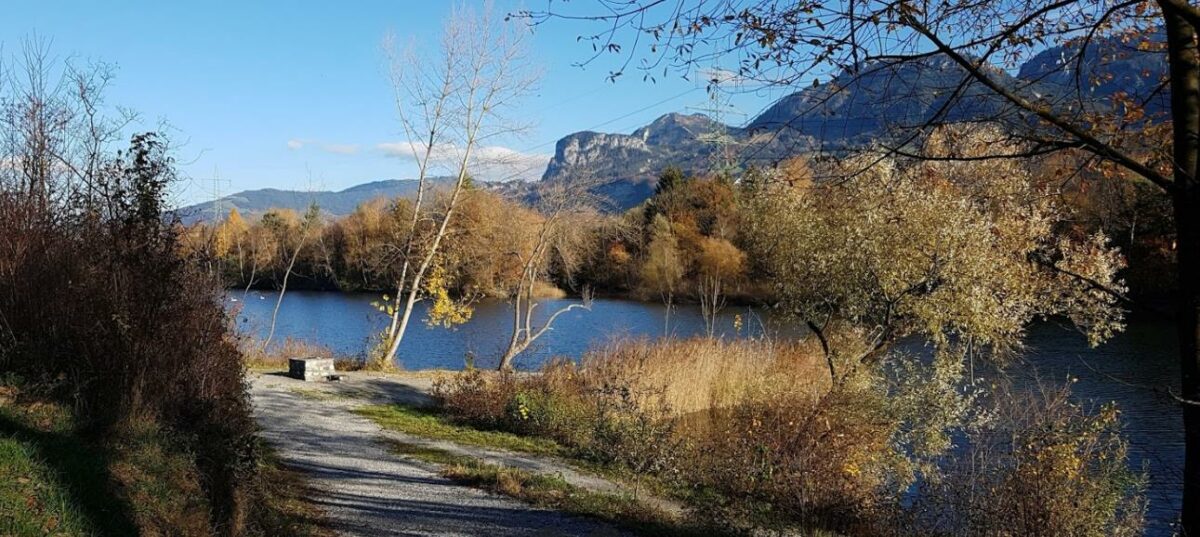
687	242
684	236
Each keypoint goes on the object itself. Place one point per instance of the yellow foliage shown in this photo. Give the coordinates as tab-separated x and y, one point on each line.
445	311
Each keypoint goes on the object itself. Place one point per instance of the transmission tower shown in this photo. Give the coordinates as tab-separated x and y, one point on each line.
217	213
723	158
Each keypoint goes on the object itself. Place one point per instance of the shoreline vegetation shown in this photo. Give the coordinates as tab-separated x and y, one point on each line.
750	436
731	430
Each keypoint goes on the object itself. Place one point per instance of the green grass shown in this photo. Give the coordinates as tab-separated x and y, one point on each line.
552	492
52	482
429	423
32	501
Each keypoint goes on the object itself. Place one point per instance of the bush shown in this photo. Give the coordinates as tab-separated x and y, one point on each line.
610	422
1044	466
825	461
629	432
478	399
101	311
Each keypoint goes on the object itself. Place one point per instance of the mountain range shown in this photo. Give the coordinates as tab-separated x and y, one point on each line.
873	102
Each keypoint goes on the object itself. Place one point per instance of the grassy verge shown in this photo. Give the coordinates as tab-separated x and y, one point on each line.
287	509
56	481
51	481
552	492
429	423
32	500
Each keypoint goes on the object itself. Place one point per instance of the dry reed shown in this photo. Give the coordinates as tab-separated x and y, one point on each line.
693	375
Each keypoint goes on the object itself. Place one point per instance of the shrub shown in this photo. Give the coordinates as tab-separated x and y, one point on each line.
630	430
610	422
1044	466
818	461
477	398
101	311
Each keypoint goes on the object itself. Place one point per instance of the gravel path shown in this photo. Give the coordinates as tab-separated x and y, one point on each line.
367	491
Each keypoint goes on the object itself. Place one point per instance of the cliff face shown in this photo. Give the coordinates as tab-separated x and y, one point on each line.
638	155
625	167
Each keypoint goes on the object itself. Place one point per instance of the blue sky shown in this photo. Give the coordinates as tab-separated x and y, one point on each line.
293	94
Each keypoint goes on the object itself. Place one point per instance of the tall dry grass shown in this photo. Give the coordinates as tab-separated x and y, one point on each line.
277	355
695	375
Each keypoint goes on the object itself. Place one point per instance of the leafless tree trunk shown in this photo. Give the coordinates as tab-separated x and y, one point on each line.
310	223
712	301
561	232
446	113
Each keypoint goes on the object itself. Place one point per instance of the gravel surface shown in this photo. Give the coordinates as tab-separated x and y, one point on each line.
367	491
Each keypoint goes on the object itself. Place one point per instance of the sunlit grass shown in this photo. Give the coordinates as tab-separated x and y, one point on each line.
32	501
429	423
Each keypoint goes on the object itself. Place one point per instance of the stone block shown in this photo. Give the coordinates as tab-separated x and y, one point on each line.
310	368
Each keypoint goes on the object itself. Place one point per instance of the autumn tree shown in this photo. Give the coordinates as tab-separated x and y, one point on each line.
291	234
719	266
963	254
663	268
449	103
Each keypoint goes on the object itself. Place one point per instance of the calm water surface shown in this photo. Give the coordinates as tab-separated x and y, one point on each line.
1135	370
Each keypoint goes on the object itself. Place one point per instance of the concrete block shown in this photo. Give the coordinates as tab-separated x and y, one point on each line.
310	368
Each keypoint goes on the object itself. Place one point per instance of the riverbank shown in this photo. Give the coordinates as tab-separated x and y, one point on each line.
688	438
1135	370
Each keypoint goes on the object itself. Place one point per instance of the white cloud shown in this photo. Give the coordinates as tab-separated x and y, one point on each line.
487	163
340	149
295	144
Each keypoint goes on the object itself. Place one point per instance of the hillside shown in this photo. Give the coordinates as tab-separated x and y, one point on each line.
256	202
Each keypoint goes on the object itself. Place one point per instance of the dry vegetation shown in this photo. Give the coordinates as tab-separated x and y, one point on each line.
275	357
696	375
754	436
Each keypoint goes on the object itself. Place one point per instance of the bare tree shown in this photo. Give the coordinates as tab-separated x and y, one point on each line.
799	43
449	105
558	238
57	127
308	225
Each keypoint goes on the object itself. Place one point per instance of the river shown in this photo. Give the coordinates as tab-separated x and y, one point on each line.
1136	370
